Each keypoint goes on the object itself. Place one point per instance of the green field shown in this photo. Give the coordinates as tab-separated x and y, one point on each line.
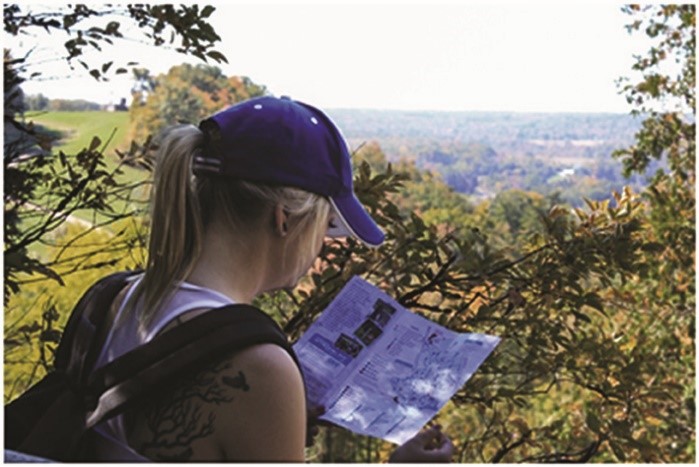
76	130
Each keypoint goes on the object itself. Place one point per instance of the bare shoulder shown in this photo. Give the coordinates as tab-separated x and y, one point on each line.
271	424
269	360
248	406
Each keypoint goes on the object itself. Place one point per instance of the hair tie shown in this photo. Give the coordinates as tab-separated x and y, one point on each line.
209	161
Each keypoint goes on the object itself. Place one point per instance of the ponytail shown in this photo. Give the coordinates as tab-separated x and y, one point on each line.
176	221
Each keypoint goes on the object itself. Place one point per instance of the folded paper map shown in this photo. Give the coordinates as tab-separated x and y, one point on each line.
381	370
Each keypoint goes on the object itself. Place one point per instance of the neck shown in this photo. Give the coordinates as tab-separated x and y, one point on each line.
238	268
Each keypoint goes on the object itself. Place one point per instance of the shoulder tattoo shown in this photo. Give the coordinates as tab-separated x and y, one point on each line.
187	413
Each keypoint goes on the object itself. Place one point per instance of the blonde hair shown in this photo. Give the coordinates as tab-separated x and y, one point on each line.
184	205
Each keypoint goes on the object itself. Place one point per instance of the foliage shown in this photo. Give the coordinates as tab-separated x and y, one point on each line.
513	216
35	318
36	102
595	304
666	94
554	305
42	188
185	93
160	25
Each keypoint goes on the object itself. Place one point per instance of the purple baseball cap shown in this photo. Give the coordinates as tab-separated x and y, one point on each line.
280	141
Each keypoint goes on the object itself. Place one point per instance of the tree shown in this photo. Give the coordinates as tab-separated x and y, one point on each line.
666	96
513	216
43	189
185	93
36	102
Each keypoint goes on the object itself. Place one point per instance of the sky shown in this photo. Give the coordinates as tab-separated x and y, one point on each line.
455	56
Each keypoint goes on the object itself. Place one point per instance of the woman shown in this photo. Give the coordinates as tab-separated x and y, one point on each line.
240	207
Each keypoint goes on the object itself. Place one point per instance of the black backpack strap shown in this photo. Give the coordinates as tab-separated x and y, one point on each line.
48	419
88	325
213	334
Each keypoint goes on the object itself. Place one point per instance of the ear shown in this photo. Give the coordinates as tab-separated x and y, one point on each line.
280	220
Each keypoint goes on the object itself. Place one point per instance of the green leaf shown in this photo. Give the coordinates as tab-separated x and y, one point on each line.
206	12
50	335
68	21
593	422
582	316
618	452
45	270
218	56
621	428
593	300
94	143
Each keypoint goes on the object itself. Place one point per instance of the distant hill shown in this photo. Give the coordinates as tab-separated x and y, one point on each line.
483	153
502	131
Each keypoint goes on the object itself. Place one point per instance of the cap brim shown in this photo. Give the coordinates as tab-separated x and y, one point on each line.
355	221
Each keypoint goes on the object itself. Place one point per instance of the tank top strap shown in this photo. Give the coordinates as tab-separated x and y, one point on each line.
177	312
185	298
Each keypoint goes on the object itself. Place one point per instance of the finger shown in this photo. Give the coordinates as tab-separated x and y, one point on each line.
445	448
438	440
444	453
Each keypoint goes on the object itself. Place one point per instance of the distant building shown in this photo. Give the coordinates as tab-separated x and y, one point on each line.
565	173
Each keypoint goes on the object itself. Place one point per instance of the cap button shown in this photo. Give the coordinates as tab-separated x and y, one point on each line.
286	98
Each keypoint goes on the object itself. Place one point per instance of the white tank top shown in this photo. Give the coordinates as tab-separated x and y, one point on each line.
126	337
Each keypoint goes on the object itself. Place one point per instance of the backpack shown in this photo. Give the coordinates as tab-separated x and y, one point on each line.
55	417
